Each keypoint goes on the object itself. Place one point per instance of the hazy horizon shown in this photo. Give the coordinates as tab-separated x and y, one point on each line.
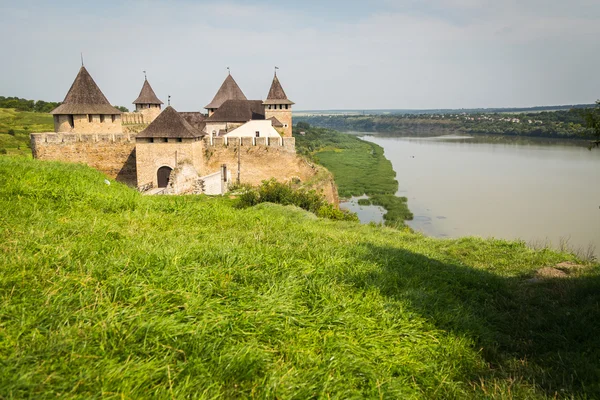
407	55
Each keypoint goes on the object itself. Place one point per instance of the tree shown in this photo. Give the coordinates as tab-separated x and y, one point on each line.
122	109
592	123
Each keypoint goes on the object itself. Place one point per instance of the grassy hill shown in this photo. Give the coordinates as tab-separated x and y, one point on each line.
15	127
104	292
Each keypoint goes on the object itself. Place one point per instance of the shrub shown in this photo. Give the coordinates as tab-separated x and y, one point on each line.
11	132
271	191
3	151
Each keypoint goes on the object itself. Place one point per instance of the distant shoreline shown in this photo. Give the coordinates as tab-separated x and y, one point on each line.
400	111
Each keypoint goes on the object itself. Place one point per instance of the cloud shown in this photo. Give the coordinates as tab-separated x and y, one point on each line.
426	54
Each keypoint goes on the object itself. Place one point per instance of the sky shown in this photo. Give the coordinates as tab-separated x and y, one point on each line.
376	54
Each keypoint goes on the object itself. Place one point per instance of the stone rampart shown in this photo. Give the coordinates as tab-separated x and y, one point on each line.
257	161
287	144
134	118
115	155
111	153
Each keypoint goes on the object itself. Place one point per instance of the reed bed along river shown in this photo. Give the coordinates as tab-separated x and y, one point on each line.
543	192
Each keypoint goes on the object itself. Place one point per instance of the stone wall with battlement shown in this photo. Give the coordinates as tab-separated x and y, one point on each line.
134	118
286	144
111	153
259	159
120	157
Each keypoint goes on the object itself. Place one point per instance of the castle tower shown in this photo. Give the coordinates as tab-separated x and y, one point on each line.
229	90
148	103
166	143
85	109
279	107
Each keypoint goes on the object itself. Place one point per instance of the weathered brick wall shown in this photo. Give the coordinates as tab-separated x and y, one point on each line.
133	118
120	157
113	154
151	156
284	116
148	114
83	123
261	162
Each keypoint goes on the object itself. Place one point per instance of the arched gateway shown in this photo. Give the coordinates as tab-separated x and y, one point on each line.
163	175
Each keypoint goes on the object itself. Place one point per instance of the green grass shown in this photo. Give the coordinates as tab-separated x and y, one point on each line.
107	293
15	127
359	167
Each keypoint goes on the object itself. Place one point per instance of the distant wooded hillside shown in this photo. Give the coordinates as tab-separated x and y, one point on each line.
40	106
555	124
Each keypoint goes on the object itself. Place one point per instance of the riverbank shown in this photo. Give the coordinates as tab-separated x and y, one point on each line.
359	167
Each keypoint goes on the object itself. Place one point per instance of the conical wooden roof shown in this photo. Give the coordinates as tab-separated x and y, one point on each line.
229	90
169	124
85	97
147	95
276	94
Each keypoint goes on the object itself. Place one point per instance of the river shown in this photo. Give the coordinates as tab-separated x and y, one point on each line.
545	193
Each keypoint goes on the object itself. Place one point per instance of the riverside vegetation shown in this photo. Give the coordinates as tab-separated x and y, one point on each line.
359	167
108	293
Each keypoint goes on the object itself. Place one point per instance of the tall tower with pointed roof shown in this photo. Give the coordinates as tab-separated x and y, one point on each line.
148	103
85	109
229	90
278	107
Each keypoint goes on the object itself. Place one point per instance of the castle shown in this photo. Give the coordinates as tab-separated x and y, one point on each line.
178	152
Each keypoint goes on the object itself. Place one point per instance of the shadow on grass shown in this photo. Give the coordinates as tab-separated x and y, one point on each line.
546	333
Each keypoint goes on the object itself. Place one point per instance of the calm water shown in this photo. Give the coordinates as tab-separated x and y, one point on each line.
538	192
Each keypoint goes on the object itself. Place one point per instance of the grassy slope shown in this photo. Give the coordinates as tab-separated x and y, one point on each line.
106	292
359	167
22	123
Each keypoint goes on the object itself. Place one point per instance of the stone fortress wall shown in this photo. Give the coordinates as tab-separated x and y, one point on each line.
284	115
131	118
115	154
111	153
141	115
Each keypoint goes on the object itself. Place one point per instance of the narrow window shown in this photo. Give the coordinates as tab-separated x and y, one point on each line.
101	118
286	106
113	117
90	118
257	133
151	140
179	140
71	122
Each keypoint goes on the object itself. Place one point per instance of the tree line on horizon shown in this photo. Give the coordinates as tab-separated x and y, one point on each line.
40	106
572	124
